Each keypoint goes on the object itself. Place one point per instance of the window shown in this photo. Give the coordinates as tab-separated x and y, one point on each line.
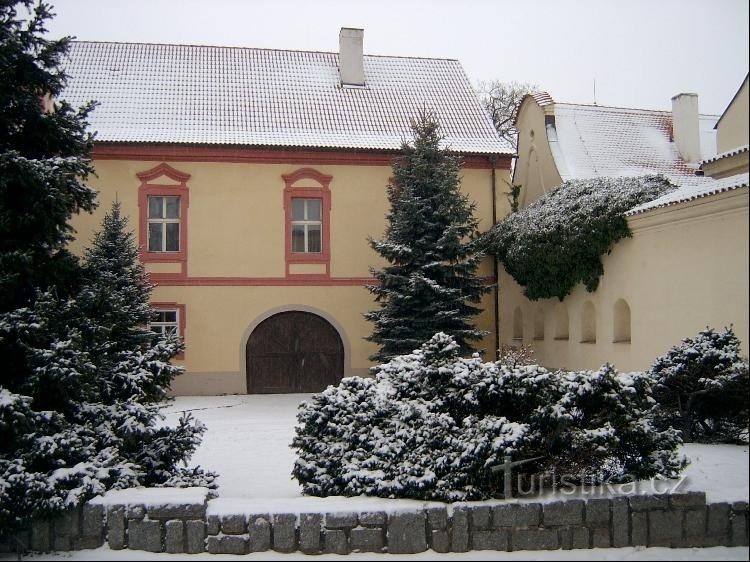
561	322
621	322
307	226
163	223
588	323
539	324
518	324
166	322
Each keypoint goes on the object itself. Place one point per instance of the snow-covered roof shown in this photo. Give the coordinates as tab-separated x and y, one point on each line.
154	93
694	188
589	141
727	154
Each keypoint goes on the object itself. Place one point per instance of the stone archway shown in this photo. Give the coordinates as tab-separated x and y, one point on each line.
293	351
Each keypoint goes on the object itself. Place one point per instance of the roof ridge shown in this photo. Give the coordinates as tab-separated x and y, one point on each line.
642	109
253	49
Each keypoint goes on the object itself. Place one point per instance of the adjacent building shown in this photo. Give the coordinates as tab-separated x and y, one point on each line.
686	266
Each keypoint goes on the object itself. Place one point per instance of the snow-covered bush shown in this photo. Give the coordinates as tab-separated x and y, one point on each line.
432	424
559	239
702	388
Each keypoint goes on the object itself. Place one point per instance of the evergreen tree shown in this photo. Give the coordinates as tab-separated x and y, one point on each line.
44	159
431	281
85	418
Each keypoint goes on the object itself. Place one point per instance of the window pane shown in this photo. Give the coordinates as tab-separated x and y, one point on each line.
298	238
173	207
155	207
157	329
298	209
313	238
313	209
173	237
158	316
170	330
170	315
154	237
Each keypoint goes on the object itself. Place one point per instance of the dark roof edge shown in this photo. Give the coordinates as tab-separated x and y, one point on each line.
734	97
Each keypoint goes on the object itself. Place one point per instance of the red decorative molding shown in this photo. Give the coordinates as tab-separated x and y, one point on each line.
286	155
314	186
148	188
181	321
165	280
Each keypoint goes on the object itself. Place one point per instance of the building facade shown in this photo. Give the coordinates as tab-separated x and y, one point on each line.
253	179
686	265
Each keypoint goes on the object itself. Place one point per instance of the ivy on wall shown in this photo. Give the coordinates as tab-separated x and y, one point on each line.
558	240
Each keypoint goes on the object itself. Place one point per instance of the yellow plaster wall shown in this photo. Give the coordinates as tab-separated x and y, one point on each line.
733	127
685	268
236	230
727	166
535	170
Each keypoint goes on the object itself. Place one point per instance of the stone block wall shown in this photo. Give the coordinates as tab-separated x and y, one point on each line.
676	520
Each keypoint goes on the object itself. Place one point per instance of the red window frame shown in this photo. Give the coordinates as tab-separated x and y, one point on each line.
307	183
151	187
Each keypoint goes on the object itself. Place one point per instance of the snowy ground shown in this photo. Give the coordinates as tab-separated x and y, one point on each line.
247	443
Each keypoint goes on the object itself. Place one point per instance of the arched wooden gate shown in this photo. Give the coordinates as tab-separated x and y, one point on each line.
293	352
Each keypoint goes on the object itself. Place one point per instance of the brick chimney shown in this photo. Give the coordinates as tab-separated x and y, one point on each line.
351	67
685	131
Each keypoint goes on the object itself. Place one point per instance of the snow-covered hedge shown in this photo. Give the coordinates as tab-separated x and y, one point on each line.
702	388
558	240
432	424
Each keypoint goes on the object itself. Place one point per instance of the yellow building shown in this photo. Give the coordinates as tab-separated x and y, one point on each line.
253	178
686	266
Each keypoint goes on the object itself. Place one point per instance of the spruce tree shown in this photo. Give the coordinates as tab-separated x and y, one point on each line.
430	284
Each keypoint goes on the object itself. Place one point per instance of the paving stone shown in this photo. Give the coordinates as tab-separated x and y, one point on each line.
600	537
116	528
717	525
373	519
695	528
135	512
738	529
535	539
364	539
92	521
144	535
440	540
647	503
489	540
178	511
213	525
68	523
574	537
620	522
309	532
597	513
517	515
563	513
62	543
639	526
212	545
459	530
233	544
195	534
687	499
341	520
479	517
41	536
174	533
233	525
284	532
335	541
437	517
259	532
406	533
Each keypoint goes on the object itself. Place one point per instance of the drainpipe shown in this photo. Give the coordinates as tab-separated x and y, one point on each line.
493	162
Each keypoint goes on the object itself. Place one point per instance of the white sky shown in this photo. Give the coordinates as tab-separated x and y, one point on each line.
641	52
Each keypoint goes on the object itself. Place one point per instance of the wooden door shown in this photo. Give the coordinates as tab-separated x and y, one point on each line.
293	352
